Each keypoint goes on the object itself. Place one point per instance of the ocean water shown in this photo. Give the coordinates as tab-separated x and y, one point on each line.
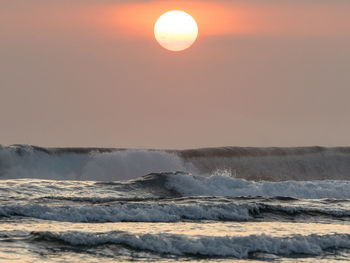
221	205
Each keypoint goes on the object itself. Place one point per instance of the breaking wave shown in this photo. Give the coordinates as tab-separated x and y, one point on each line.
130	212
238	247
100	164
171	212
79	164
223	185
174	185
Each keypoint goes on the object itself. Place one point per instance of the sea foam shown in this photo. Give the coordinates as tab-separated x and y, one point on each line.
99	164
238	247
29	162
171	211
222	184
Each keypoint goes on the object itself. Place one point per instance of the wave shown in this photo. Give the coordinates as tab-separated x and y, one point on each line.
171	185
238	247
181	210
221	184
108	164
84	164
129	212
274	164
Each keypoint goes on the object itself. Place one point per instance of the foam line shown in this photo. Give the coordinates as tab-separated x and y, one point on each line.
238	247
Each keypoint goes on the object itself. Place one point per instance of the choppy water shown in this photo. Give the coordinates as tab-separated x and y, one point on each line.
70	205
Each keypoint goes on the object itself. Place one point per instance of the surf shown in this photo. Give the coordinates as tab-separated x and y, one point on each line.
109	164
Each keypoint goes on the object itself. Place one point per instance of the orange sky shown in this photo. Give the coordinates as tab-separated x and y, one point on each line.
137	18
235	17
89	73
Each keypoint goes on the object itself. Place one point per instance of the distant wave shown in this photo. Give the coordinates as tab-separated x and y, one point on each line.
93	164
274	164
108	164
238	247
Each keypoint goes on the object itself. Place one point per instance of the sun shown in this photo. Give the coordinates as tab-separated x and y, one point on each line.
176	30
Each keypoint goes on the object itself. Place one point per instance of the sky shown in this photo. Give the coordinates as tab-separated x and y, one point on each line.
90	73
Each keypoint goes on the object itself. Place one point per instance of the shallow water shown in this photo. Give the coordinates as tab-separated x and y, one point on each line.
51	241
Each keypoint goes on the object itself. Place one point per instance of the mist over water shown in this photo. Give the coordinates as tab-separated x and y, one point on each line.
84	164
101	164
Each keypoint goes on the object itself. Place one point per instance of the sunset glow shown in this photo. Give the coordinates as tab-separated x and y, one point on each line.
174	130
176	30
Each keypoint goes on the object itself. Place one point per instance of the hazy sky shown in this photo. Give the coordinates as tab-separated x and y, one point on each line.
89	73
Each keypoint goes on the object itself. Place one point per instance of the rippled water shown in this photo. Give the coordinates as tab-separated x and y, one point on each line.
147	220
34	240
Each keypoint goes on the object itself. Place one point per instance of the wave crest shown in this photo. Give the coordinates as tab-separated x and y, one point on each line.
238	247
224	185
107	164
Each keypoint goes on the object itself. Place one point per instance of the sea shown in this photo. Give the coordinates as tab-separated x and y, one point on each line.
226	204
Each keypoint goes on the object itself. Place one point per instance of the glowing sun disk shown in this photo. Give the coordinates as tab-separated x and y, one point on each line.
176	30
